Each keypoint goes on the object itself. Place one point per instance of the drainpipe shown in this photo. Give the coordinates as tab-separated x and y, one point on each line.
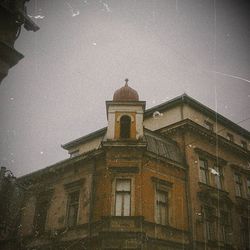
92	200
187	181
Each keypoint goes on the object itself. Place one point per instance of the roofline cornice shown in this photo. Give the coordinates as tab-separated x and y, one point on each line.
59	166
97	133
200	107
211	136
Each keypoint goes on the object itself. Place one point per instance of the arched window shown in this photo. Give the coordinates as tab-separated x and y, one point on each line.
125	124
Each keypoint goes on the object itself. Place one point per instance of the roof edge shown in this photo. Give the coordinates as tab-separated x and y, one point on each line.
184	98
84	138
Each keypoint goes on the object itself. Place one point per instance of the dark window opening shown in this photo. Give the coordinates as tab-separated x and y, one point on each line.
73	204
125	124
41	215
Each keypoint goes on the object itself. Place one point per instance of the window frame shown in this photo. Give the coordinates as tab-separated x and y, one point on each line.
203	170
71	187
125	127
122	193
248	186
161	206
43	202
238	184
217	178
209	223
72	204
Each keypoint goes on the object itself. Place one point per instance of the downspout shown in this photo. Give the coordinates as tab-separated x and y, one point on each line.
187	181
92	200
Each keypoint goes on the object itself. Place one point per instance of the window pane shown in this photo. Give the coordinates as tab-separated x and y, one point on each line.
203	176
163	213
126	211
203	171
161	196
123	185
118	205
73	203
161	207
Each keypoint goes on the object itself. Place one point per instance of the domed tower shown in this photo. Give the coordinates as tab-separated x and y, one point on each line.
125	115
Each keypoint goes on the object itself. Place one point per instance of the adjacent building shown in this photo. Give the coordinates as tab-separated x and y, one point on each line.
12	16
175	176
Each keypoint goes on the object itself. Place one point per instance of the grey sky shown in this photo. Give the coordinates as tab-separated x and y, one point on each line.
85	49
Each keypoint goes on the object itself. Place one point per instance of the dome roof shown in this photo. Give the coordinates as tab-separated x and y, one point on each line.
125	94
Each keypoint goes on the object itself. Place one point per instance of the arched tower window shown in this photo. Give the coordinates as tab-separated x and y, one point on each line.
125	125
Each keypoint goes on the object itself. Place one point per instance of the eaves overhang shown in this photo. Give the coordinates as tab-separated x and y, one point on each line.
83	139
60	166
185	99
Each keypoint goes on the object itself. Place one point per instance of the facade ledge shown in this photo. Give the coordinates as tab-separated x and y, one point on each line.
209	194
212	137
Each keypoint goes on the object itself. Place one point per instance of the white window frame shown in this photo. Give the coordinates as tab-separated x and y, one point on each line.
132	191
159	205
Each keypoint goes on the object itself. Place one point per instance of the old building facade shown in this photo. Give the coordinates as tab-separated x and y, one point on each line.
175	176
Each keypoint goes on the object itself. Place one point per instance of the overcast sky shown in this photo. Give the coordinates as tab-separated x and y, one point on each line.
85	49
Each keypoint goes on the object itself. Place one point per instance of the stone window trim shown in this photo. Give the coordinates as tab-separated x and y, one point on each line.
71	186
123	176
117	170
161	184
204	154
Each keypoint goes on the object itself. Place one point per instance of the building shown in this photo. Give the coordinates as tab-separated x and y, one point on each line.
175	176
12	17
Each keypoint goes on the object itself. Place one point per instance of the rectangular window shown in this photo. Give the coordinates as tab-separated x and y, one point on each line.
209	223
238	184
42	206
123	197
248	187
216	173
162	207
225	226
245	231
230	137
203	171
208	125
73	205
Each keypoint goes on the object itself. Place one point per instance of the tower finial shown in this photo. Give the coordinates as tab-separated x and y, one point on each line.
126	82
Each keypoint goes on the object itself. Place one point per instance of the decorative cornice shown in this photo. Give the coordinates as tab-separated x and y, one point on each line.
211	156
124	169
161	182
212	137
